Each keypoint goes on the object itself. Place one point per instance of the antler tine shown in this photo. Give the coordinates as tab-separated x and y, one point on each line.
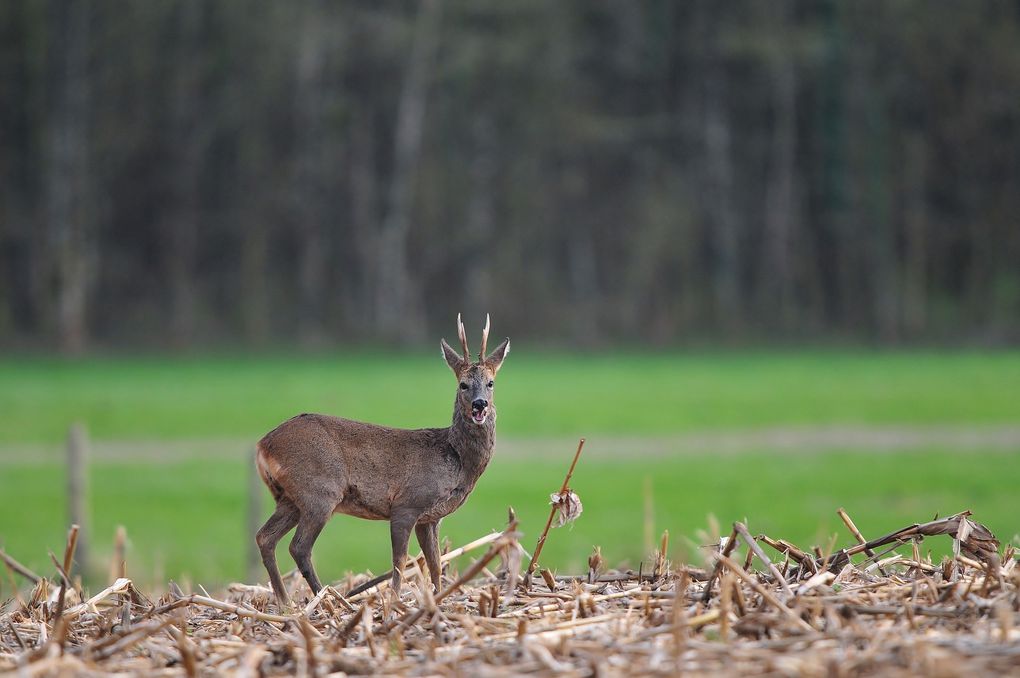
463	338
485	339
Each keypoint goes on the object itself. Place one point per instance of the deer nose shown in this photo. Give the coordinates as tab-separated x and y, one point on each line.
480	404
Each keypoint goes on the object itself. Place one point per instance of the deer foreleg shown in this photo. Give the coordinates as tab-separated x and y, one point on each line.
401	524
428	539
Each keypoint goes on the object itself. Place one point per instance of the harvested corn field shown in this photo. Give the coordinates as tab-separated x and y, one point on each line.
761	606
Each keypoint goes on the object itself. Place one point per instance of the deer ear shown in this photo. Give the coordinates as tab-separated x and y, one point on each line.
453	358
495	359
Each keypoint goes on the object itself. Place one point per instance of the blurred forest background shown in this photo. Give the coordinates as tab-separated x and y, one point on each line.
178	174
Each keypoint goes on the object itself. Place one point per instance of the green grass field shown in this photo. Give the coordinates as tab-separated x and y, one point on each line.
187	518
185	515
538	394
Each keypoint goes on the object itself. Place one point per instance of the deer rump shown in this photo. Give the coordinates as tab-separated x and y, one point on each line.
320	462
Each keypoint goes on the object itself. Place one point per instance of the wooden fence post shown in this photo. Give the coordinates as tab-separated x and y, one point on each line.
78	490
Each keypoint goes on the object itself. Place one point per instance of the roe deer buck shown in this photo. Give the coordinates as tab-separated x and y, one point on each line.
316	465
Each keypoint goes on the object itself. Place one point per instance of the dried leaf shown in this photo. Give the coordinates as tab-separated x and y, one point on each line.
595	563
568	506
513	566
963	532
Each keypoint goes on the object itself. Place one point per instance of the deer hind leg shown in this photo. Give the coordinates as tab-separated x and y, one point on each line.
284	518
312	520
428	539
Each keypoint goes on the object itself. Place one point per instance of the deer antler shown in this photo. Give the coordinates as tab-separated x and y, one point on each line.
463	338
485	339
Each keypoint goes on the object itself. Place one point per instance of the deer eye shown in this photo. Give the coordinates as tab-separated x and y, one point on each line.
463	386
490	384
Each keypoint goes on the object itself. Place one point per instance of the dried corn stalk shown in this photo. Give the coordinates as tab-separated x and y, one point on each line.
916	617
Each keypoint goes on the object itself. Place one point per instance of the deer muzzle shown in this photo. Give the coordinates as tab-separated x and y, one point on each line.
479	410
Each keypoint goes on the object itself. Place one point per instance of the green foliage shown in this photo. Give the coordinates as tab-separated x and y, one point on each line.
538	394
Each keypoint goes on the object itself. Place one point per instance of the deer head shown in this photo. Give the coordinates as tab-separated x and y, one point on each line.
476	380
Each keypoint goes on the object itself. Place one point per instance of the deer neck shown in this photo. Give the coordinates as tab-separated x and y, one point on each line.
473	442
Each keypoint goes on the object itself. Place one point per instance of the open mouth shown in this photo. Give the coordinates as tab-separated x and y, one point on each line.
479	415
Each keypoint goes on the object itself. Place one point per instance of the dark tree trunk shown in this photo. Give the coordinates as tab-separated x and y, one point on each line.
781	209
364	210
723	235
311	175
189	137
915	260
399	316
254	296
481	216
69	221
